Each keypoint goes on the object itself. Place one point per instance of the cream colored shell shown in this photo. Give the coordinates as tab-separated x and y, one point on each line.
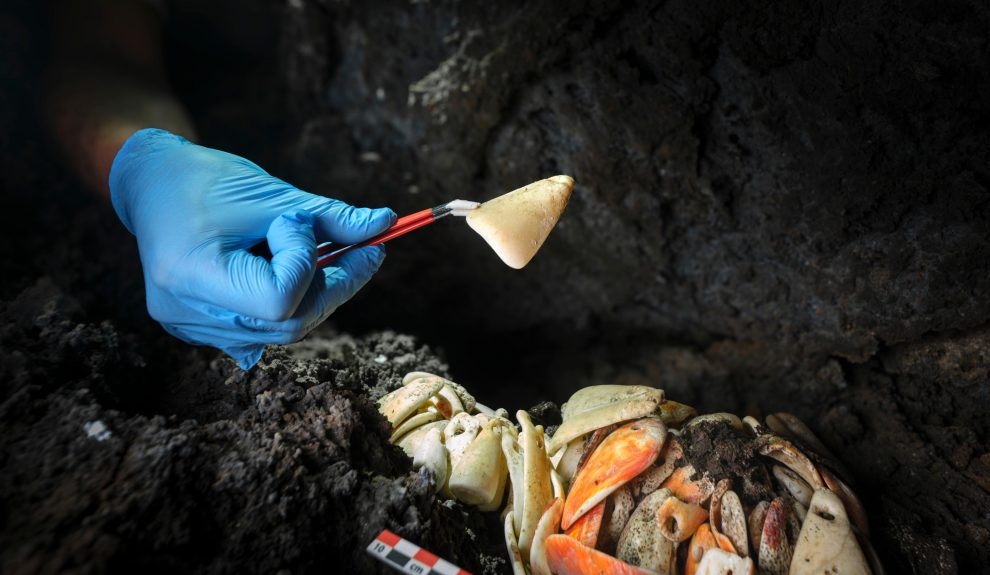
516	224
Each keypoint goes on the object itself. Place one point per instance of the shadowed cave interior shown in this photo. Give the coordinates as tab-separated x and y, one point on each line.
780	206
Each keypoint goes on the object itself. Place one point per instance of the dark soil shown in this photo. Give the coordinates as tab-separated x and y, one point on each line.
286	467
781	206
721	452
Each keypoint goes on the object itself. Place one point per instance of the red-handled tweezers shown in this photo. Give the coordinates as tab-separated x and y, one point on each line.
328	252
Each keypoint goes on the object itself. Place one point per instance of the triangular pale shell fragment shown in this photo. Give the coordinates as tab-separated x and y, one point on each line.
460	432
827	543
516	224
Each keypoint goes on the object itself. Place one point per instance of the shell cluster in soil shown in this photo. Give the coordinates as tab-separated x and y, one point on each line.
792	194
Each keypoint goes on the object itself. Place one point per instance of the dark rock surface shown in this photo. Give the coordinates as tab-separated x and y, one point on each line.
285	467
780	206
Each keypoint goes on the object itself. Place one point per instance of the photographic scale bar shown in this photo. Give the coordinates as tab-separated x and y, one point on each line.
408	557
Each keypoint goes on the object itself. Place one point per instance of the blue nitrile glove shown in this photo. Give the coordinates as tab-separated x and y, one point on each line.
196	212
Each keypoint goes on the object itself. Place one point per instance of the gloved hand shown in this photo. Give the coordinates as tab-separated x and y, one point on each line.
196	211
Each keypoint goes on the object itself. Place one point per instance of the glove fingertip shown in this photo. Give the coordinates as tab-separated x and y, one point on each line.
130	154
246	356
387	215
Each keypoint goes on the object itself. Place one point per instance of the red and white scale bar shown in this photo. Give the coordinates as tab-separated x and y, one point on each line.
410	558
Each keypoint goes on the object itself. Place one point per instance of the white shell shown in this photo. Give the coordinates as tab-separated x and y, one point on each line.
516	224
793	483
718	562
598	406
403	402
641	544
827	543
431	454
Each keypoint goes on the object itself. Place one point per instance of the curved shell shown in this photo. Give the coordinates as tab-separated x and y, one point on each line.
793	483
464	399
430	453
403	402
618	510
721	416
514	463
567	556
475	477
775	548
537	491
757	517
548	525
601	405
687	489
516	224
679	520
412	423
715	505
784	423
503	474
785	452
852	504
640	543
827	543
733	522
512	546
674	414
621	456
587	527
720	562
569	457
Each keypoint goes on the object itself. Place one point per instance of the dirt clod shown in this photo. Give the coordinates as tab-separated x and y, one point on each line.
723	452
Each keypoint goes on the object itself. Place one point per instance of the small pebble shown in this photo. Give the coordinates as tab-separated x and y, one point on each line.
97	430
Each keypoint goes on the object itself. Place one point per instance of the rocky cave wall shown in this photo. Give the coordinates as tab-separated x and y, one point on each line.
780	205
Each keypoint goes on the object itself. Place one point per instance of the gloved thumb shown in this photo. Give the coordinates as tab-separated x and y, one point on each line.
250	285
293	244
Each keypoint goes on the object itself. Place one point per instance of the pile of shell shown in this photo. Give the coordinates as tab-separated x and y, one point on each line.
613	491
